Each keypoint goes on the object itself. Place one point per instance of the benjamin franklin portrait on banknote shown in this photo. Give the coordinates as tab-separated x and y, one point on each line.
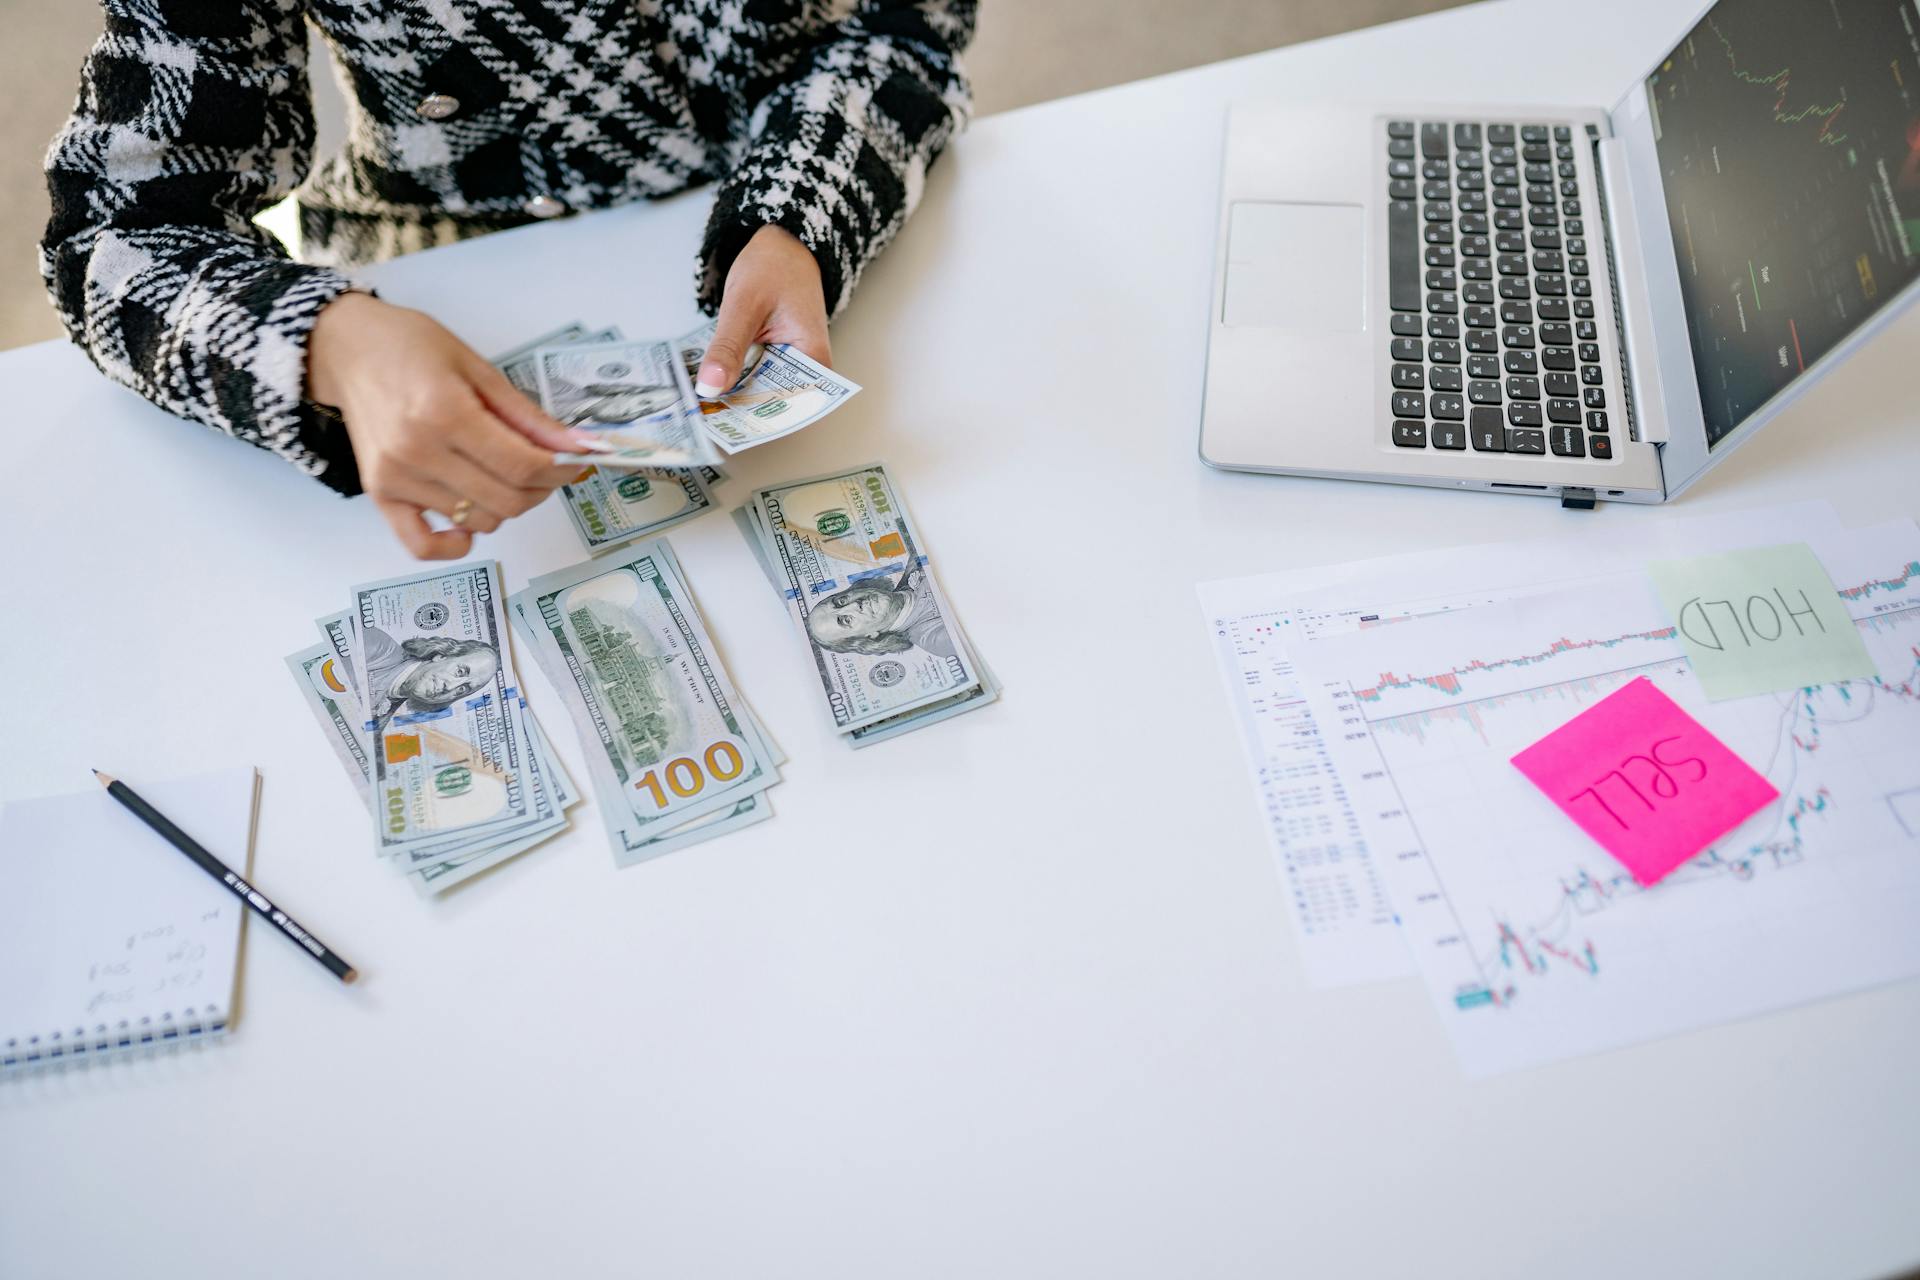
873	618
423	673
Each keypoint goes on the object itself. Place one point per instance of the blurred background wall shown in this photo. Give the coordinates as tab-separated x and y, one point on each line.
1027	51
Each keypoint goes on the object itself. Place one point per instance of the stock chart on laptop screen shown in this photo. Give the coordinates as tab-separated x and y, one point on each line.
1788	134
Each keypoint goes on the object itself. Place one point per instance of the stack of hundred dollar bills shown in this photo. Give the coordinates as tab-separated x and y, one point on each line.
674	753
414	686
855	580
656	465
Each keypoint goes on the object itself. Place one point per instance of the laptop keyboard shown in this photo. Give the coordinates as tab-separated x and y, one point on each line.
1494	338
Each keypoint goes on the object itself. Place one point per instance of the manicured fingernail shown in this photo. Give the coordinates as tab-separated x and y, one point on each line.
590	443
713	381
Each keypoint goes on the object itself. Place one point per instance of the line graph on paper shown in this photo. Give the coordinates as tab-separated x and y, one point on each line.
1534	943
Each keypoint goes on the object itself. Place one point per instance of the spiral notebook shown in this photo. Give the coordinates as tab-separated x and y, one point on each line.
111	940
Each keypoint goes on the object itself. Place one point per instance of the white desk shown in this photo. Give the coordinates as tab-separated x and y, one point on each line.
1015	996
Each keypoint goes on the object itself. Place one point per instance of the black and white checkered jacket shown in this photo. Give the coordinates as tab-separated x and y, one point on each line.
819	116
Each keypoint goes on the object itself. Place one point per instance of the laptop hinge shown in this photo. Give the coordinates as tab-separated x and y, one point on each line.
1626	259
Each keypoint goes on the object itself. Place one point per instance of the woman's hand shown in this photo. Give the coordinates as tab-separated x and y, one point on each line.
772	294
433	425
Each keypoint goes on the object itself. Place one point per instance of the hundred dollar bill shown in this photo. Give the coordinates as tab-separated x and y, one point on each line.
657	714
633	396
858	585
552	789
611	508
780	390
629	844
435	680
321	680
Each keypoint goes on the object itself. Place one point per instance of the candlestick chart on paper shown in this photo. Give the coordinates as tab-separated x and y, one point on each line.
1535	944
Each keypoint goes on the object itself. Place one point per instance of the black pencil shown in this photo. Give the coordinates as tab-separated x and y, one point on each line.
226	875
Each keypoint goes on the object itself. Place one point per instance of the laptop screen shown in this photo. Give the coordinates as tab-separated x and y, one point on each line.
1788	135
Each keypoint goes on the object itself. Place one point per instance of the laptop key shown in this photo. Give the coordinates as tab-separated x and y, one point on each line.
1590	375
1476	269
1507	197
1516	311
1556	333
1399	128
1515	287
1410	435
1400	148
1582	287
1586	331
1567	442
1594	398
1537	172
1433	140
1441	278
1484	341
1553	309
1439	255
1533	133
1589	353
1536	152
1520	362
1409	404
1583	307
1473	224
1547	238
1449	407
1438	233
1436	169
1560	384
1471	180
1577	266
1481	317
1483	367
1526	440
1501	133
1483	393
1562	133
1402	189
1511	264
1466	135
1469	159
1403	272
1563	411
1551	286
1405	348
1543	216
1503	155
1602	447
1404	324
1448	435
1488	433
1400	169
1597	421
1472	202
1436	191
1437	211
1444	378
1517	335
1478	292
1524	415
1443	352
1521	387
1409	377
1443	303
1443	326
1555	357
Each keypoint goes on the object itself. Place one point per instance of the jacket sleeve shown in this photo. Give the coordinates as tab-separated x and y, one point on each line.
192	117
838	152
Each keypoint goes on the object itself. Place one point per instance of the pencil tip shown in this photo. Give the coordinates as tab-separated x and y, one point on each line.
350	975
106	779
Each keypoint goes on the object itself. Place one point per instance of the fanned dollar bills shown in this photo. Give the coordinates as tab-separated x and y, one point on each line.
673	752
619	504
636	397
883	642
415	688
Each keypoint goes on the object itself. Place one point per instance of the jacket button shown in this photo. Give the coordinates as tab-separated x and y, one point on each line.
544	207
438	106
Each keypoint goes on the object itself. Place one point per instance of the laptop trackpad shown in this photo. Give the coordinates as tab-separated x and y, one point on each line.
1296	266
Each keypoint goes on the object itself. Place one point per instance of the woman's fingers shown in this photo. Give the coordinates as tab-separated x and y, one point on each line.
470	481
743	313
506	403
514	461
429	493
410	526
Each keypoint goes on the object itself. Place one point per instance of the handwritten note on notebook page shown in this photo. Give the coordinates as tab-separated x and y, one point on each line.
109	937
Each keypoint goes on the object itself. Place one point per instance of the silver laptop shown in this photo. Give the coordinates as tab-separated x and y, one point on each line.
1568	303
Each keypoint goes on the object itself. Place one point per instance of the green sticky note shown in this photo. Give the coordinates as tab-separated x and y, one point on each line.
1760	621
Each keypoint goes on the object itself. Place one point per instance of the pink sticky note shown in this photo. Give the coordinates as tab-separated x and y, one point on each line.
1645	779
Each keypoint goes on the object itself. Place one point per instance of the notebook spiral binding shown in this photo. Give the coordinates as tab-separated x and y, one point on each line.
110	1040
